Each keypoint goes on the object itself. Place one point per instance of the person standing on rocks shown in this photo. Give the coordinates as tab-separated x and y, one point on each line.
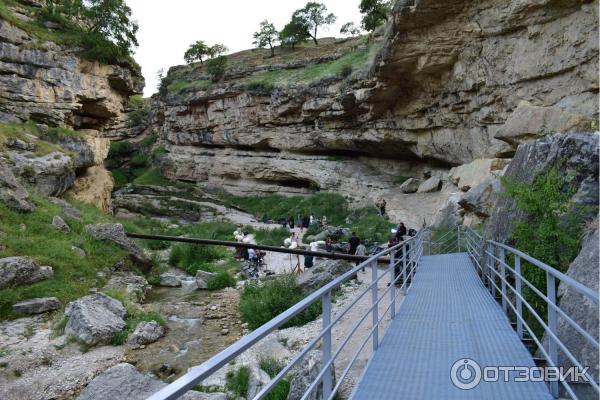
354	243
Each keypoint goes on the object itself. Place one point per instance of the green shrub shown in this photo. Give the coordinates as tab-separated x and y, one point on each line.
272	367
120	149
139	160
551	230
346	71
140	110
269	237
238	382
262	301
216	68
221	281
194	257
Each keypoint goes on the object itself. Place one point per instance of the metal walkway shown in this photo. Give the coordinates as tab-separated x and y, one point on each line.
447	315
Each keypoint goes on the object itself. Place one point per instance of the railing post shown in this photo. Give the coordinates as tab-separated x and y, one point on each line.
374	304
404	255
392	285
552	346
503	275
518	298
430	241
492	263
327	381
458	238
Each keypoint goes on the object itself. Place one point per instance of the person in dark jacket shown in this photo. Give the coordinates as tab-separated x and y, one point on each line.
401	230
354	242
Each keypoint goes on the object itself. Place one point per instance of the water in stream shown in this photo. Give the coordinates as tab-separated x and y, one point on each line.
200	324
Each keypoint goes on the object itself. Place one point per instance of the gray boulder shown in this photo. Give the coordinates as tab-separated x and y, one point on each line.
125	382
304	374
450	214
431	185
582	310
95	319
202	278
19	271
37	306
576	156
116	234
324	272
18	144
60	224
134	286
68	210
52	174
12	193
410	185
479	199
169	279
146	333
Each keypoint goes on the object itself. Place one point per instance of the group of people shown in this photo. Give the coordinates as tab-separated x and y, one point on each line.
302	222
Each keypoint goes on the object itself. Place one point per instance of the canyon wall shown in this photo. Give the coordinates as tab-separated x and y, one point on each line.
452	82
48	85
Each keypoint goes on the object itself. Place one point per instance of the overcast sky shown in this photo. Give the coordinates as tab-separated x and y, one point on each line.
167	28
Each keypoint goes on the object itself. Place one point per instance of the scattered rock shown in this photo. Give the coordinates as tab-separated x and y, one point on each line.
12	193
116	234
410	185
80	252
432	184
225	332
95	319
202	278
304	374
13	143
68	210
125	382
60	224
19	271
146	333
133	285
169	279
37	306
322	273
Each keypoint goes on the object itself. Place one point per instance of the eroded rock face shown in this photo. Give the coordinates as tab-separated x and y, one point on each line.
582	310
12	193
95	319
19	271
574	154
94	186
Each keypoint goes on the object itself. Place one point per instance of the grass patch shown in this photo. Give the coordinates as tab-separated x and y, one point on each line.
272	367
238	381
21	132
269	237
180	85
262	301
73	275
152	176
222	280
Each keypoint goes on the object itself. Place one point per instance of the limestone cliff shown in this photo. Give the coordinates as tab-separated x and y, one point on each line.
450	83
49	84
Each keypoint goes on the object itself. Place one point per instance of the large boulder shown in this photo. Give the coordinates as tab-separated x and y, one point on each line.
582	310
37	306
52	174
146	333
470	175
169	279
324	272
125	382
450	214
19	271
134	286
410	185
305	373
431	185
202	278
116	234
478	199
12	193
95	319
529	122
576	156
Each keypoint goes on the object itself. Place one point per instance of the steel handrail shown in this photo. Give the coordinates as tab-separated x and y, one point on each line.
199	373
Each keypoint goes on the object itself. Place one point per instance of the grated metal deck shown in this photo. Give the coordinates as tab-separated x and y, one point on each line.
447	315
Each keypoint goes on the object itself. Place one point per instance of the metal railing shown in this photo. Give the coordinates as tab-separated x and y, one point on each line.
492	261
403	263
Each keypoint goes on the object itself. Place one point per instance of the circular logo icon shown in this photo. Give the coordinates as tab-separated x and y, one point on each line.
465	374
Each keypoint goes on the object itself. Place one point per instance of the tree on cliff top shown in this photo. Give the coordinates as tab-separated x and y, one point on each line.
313	16
266	36
375	13
199	50
293	33
350	29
